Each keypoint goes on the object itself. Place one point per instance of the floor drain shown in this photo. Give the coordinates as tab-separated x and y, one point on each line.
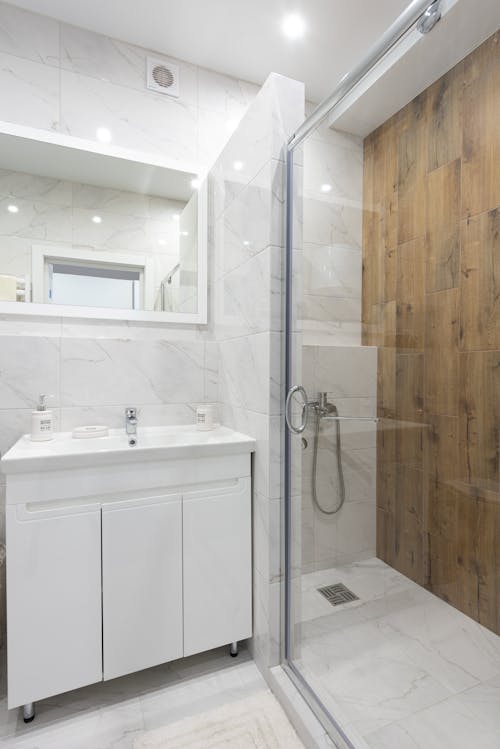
337	594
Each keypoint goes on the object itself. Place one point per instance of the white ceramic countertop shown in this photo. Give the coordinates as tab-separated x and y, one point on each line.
153	443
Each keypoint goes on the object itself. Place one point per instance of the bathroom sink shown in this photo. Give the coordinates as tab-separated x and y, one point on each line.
153	443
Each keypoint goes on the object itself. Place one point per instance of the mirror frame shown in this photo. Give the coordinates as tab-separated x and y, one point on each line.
21	141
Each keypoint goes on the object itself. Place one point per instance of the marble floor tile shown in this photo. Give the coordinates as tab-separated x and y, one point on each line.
114	714
399	667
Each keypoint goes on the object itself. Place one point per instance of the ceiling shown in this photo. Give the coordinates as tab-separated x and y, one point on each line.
241	38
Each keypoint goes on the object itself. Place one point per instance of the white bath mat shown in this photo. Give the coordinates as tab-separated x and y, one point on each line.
257	722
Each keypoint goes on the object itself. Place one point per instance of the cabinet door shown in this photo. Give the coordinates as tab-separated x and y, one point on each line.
53	600
217	567
142	584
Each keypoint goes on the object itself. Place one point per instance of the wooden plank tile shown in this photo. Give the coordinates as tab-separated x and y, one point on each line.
386	383
411	172
488	570
467	542
443	548
410	295
445	118
441	353
441	449
386	465
480	417
409	520
442	196
480	271
410	387
481	117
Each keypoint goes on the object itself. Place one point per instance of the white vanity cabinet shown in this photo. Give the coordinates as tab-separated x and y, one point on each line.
141	584
53	599
120	559
217	546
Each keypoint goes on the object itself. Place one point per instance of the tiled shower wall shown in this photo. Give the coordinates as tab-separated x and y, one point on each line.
430	302
333	359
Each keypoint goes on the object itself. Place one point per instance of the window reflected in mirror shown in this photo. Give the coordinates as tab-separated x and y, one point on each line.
69	243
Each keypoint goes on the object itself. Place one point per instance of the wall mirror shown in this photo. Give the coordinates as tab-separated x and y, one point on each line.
99	233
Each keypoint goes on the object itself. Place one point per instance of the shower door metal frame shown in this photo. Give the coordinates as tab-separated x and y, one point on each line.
401	26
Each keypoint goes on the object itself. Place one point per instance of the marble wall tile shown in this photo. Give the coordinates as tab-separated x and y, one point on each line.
30	92
127	330
28	366
108	59
115	231
249	297
150	372
253	220
19	325
331	271
28	35
345	371
220	93
126	203
332	223
33	187
15	255
138	120
113	416
36	220
340	168
237	358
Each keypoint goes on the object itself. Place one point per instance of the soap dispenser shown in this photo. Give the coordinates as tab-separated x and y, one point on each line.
41	422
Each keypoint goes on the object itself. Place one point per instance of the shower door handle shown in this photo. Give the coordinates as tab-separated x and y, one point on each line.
305	409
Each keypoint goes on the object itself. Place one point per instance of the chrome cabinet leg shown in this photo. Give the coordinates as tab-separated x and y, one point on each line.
28	712
233	651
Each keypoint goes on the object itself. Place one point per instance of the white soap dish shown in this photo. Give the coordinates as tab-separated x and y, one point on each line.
85	433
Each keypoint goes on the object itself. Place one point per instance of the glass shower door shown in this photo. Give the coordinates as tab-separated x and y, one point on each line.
331	402
393	402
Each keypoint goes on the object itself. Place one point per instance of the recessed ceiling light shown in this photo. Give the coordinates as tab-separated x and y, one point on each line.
293	26
326	188
103	134
195	183
13	209
96	219
238	166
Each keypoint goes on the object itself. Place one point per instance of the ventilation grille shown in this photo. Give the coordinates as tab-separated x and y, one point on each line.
337	594
162	76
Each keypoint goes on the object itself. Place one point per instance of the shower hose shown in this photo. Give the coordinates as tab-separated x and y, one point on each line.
338	453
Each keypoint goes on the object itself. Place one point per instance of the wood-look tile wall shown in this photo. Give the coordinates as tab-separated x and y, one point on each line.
431	302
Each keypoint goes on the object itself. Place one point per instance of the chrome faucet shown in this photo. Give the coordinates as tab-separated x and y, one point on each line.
131	425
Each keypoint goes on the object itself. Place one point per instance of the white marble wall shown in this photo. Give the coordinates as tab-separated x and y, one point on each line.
331	238
63	78
247	213
349	376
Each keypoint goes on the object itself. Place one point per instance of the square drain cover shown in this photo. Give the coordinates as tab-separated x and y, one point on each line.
337	594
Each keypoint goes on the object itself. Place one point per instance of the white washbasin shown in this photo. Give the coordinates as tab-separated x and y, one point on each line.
153	443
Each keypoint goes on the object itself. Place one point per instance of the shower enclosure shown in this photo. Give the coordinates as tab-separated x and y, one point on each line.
392	612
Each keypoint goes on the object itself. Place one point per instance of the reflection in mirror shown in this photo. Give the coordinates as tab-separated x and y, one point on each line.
77	244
